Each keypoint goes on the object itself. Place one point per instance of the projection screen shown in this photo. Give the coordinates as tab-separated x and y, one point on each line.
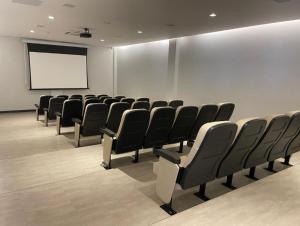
57	67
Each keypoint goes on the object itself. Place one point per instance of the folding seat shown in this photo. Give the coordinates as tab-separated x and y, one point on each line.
198	167
207	113
90	95
293	147
63	96
110	101
158	103
103	98
141	105
225	111
115	113
101	95
276	125
249	133
55	105
89	101
44	103
280	148
160	124
71	109
119	97
176	103
143	99
94	119
129	137
128	100
184	120
76	96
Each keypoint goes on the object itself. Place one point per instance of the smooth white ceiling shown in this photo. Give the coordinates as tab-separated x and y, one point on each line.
117	21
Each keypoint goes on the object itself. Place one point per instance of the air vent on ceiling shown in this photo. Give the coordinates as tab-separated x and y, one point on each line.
29	2
281	1
68	5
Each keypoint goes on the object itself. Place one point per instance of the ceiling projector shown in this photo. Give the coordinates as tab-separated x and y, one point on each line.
85	33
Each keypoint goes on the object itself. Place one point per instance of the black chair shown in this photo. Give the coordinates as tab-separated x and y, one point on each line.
110	101
101	95
143	99
76	96
141	105
198	167
160	124
129	137
183	123
119	97
115	113
158	103
225	111
128	100
259	155
293	147
63	96
71	109
249	133
176	103
55	105
44	103
207	113
280	148
103	98
89	101
94	119
90	95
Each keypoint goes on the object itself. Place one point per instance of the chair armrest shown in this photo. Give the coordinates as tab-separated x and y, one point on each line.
58	114
37	106
108	132
77	120
168	155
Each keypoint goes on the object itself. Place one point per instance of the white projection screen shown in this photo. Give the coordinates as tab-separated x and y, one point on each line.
57	67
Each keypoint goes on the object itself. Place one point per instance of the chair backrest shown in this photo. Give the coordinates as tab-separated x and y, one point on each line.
225	111
293	129
132	130
63	96
44	103
101	95
212	144
90	95
183	123
141	105
176	103
55	105
294	146
94	118
248	134
275	128
143	99
158	103
89	101
160	124
103	98
116	111
128	100
76	96
110	101
71	109
207	113
119	97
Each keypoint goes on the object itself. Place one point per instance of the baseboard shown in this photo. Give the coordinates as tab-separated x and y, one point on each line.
17	111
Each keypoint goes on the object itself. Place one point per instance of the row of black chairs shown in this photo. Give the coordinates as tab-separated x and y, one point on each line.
139	128
225	148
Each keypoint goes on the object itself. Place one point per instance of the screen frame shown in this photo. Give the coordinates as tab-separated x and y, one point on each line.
57	49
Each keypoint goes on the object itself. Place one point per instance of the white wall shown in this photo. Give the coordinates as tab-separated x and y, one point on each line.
14	93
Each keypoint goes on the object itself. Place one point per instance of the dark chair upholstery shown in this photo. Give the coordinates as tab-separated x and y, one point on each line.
63	96
110	101
89	95
176	103
143	99
129	137
119	97
116	111
207	113
198	167
128	100
158	103
43	103
225	111
103	98
184	120
160	124
55	105
280	148
141	105
249	133
71	109
94	119
101	95
89	101
76	96
293	147
259	155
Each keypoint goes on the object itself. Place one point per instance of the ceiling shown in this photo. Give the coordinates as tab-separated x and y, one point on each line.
117	21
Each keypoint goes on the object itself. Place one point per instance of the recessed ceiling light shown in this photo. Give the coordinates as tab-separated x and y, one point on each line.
32	31
102	40
139	32
213	15
51	17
